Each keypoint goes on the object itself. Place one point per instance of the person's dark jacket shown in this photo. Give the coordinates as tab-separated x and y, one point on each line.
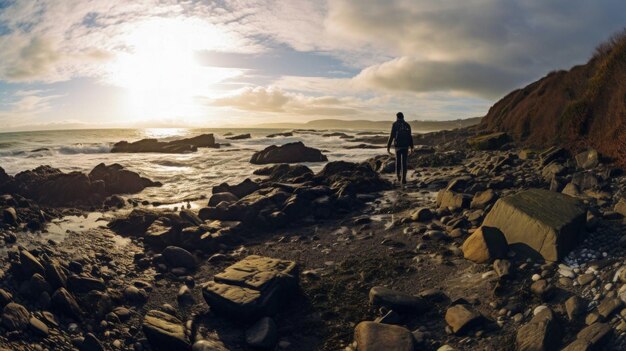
394	131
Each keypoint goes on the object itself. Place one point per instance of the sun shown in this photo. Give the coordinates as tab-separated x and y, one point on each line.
159	69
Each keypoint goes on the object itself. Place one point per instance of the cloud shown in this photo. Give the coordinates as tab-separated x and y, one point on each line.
485	47
36	59
275	100
412	74
51	41
25	107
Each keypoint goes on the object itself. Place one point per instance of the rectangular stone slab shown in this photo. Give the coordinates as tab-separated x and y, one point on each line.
257	272
232	300
539	222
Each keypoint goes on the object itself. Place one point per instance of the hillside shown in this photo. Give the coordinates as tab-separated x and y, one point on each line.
580	108
374	125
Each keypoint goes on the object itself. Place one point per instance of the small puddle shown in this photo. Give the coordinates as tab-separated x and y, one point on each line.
57	229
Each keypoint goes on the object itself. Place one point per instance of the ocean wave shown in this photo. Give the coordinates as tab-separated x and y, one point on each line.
170	163
12	153
84	149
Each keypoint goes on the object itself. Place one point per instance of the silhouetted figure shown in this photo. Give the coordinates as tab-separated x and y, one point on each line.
402	141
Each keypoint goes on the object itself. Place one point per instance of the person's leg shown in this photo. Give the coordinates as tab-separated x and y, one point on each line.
405	164
398	163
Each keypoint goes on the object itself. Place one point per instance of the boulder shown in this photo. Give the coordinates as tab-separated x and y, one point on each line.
15	317
5	298
380	296
165	332
179	257
482	199
176	146
461	318
263	334
135	223
84	284
492	141
252	287
29	264
9	216
288	153
542	333
114	201
539	223
118	180
574	307
620	207
209	345
591	338
587	159
485	245
64	303
38	327
452	200
222	197
91	343
240	190
422	214
372	336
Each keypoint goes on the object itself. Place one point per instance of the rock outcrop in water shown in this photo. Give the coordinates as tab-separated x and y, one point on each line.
239	137
171	147
288	153
50	186
577	109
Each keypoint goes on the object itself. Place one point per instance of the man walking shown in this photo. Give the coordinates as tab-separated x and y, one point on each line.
402	140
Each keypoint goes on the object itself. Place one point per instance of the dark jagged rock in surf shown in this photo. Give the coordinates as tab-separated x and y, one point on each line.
363	146
171	147
338	134
577	109
286	134
240	137
4	177
284	172
50	186
118	180
288	153
240	190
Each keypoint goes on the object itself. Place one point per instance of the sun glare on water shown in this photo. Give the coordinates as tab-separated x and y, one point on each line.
160	71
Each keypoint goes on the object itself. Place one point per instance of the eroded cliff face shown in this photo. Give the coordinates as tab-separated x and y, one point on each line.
580	108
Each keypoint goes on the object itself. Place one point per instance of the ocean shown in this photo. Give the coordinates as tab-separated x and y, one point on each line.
185	177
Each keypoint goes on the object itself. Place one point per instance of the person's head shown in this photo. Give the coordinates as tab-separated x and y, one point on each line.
400	116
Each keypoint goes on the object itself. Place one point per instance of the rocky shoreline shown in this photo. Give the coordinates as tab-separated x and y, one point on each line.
490	247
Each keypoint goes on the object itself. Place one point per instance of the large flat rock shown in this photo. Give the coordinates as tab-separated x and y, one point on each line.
164	331
257	272
539	222
371	336
252	287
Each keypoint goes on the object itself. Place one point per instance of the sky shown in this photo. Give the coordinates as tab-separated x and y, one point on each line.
118	63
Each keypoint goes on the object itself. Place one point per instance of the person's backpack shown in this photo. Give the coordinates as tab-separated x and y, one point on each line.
403	135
